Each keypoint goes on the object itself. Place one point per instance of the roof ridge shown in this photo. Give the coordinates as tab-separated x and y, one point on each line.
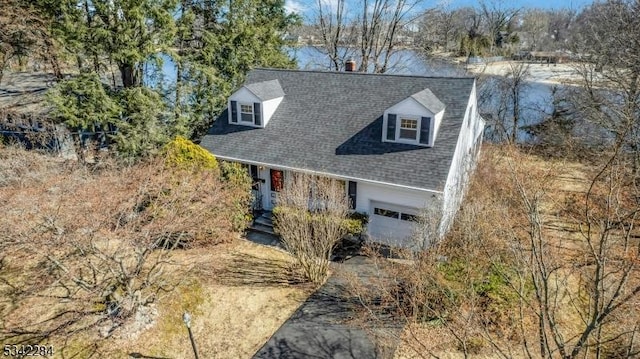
364	73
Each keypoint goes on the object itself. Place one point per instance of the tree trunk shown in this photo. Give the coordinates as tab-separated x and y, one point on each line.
53	57
131	75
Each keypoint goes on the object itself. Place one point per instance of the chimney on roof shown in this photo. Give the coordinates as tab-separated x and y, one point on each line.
350	65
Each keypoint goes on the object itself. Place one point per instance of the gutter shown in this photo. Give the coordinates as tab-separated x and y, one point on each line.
325	174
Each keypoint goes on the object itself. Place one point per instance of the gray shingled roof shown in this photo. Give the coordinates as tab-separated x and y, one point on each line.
266	90
331	122
427	99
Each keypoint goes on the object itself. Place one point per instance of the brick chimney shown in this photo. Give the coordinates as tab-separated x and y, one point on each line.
350	65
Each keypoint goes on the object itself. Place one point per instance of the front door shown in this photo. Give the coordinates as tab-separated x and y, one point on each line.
276	181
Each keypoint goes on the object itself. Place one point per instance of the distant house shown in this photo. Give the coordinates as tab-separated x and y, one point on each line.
401	144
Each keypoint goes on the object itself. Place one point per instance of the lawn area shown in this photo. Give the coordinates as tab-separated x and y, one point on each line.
238	295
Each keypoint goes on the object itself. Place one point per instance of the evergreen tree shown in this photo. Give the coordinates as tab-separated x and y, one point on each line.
213	42
219	42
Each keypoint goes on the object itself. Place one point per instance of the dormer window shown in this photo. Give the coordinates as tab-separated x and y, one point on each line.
246	113
408	129
254	104
413	120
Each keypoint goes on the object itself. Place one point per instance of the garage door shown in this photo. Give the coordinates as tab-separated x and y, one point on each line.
391	224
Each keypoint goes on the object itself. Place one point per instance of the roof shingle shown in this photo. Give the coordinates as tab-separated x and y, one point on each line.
266	90
427	99
331	122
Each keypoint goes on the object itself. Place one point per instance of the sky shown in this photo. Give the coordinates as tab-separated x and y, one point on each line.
305	7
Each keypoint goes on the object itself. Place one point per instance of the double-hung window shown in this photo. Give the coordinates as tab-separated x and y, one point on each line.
246	113
408	129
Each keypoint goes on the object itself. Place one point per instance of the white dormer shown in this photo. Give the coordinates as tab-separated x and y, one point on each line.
414	120
254	104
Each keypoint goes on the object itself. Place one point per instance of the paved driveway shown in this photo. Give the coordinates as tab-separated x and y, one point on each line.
319	328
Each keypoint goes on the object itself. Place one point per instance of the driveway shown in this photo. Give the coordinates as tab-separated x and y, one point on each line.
320	327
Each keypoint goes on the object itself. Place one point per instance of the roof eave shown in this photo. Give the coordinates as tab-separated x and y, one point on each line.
326	174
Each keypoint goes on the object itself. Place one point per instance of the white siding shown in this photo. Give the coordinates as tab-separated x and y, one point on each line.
244	95
268	108
436	126
463	163
409	106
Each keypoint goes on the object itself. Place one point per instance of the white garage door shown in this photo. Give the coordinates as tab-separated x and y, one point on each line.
391	224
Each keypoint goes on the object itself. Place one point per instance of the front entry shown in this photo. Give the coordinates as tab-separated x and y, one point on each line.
257	183
276	182
267	183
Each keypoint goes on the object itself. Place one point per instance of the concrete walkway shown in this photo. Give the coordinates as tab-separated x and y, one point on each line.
319	328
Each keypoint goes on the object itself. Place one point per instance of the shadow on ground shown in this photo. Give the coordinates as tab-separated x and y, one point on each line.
244	269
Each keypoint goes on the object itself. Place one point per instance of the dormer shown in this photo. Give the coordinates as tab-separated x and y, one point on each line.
253	104
414	120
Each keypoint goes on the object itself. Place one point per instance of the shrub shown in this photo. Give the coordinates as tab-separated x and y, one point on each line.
360	216
472	345
311	236
356	223
184	154
353	227
237	180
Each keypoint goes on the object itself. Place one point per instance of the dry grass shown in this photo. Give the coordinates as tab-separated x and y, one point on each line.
230	319
502	227
94	219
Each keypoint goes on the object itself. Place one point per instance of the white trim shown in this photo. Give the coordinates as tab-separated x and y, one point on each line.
325	174
399	119
253	113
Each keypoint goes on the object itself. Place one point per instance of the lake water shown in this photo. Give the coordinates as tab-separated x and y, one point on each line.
404	62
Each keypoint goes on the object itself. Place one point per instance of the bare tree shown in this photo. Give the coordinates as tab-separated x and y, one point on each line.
336	32
609	42
497	19
561	25
500	98
439	28
474	40
373	30
535	26
604	263
310	219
